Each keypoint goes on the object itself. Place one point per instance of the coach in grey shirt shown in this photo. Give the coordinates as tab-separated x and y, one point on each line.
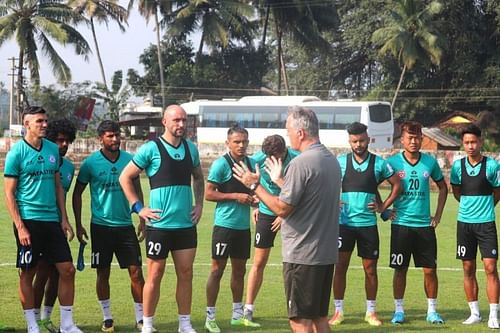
309	205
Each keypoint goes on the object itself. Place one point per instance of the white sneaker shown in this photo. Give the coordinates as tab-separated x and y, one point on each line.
493	323
473	319
72	329
33	329
186	329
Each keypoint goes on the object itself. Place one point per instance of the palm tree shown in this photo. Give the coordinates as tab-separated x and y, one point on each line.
148	9
303	21
218	21
37	23
410	35
101	11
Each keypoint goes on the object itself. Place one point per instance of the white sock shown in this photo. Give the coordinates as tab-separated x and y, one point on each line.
249	307
371	306
30	317
398	304
184	321
66	316
474	308
493	311
138	312
431	305
37	313
47	311
211	312
237	310
106	309
147	322
339	305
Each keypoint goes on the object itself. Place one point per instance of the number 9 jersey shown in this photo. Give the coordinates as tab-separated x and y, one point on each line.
413	204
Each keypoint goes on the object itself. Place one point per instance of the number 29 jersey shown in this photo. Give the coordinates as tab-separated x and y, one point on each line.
413	204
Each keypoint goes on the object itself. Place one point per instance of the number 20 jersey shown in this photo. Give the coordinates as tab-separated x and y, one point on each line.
413	204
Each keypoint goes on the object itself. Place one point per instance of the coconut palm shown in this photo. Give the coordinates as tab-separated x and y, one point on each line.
148	9
218	21
304	21
410	35
37	24
101	11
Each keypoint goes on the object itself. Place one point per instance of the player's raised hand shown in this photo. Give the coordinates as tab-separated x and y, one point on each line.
274	167
245	175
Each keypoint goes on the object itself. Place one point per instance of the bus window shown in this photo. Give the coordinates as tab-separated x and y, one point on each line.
345	115
380	113
214	119
325	120
242	119
266	120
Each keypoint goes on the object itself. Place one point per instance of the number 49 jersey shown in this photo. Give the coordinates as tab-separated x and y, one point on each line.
413	204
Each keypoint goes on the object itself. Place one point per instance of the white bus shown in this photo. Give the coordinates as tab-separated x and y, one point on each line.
266	115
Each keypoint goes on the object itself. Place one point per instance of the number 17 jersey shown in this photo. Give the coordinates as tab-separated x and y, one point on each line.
413	204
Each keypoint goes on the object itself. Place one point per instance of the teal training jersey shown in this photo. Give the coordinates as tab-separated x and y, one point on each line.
266	181
476	208
413	204
35	170
67	172
355	210
230	213
175	201
107	201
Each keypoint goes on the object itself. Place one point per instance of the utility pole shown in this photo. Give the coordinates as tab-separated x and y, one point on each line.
12	87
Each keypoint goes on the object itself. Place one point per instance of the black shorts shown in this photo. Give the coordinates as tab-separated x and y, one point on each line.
120	241
47	238
408	241
161	241
366	239
472	235
264	236
227	242
307	290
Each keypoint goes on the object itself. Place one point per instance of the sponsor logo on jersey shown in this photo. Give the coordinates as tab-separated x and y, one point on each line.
52	159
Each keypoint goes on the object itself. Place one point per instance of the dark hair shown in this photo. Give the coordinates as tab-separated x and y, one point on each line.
471	129
108	126
236	128
273	145
411	127
33	110
61	126
356	128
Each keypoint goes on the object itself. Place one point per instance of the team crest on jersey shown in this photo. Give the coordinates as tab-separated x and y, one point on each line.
401	174
52	159
68	177
425	174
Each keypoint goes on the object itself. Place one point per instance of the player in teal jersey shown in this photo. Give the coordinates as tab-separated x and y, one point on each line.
35	200
266	222
231	233
62	132
475	180
362	172
170	162
412	229
112	230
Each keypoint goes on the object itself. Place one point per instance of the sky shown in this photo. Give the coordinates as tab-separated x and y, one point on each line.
118	50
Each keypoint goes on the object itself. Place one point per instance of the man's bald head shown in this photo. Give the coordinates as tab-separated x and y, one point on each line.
174	120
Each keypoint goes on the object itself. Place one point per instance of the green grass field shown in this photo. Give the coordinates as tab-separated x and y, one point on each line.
270	305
